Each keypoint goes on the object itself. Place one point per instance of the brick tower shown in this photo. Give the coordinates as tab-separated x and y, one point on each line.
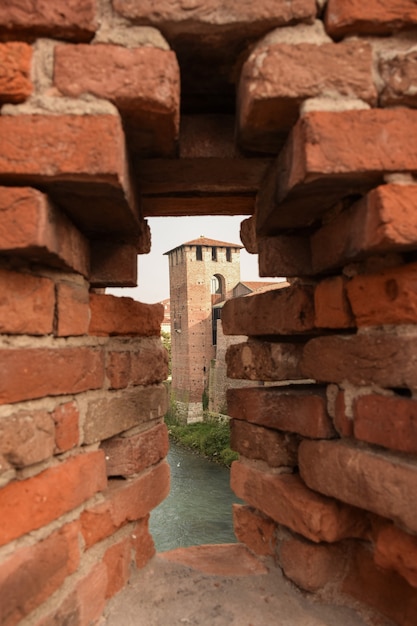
202	275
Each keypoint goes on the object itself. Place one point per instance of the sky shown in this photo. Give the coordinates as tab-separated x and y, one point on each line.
170	232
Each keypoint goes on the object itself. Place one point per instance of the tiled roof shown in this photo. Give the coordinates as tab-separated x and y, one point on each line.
204	241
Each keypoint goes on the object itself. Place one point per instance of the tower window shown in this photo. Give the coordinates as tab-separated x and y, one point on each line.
214	254
229	255
199	253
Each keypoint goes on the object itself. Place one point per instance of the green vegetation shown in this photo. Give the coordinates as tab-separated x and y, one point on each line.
166	342
210	438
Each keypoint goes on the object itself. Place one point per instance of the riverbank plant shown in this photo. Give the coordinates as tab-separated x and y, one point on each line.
210	438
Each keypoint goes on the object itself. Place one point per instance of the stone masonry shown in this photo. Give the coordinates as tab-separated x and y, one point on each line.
300	115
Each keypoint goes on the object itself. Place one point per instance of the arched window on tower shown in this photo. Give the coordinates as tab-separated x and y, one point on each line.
217	288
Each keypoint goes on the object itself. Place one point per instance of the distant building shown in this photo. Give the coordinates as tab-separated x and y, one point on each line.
204	273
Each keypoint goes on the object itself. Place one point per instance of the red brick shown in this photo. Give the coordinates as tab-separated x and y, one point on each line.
379	17
397	550
389	297
67	19
125	501
27	437
285	311
31	373
113	264
263	360
73	309
254	530
311	566
225	560
111	415
269	101
27	304
145	366
45	150
15	61
284	255
386	421
296	409
34	572
399	74
380	359
321	163
67	433
59	489
126	456
343	424
111	315
254	442
90	595
143	542
201	20
386	592
142	82
118	560
32	227
332	305
286	499
379	482
382	221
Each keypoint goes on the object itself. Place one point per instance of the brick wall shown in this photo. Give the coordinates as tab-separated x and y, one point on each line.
326	99
328	448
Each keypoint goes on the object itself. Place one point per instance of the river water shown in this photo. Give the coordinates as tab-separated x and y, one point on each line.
199	507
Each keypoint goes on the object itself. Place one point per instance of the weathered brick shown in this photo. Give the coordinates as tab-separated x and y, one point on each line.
27	437
130	455
143	542
57	371
399	74
342	422
248	234
125	501
113	264
379	17
90	595
60	489
67	432
386	592
15	61
34	572
286	499
262	360
295	409
67	19
201	20
32	227
285	311
382	221
111	415
255	442
118	560
321	163
380	359
142	82
269	101
254	530
27	304
73	309
92	185
397	550
386	421
311	566
389	297
145	366
331	304
322	467
111	315
284	255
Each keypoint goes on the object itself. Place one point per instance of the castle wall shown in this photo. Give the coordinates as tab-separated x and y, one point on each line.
326	100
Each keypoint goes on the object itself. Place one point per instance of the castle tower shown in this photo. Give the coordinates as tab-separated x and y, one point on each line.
203	273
